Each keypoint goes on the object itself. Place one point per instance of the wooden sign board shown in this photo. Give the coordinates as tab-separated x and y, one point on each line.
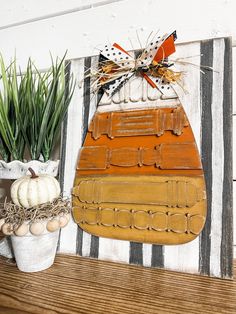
208	104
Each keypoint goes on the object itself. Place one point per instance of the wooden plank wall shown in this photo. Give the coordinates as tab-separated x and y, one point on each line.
208	105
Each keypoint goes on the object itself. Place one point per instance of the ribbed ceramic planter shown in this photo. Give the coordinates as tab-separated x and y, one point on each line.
35	253
16	169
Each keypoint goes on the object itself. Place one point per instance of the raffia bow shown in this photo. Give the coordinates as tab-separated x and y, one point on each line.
116	65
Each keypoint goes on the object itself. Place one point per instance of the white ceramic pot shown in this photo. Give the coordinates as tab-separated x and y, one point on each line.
35	253
16	169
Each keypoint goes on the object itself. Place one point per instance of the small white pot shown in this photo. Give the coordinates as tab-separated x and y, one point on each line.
16	169
35	253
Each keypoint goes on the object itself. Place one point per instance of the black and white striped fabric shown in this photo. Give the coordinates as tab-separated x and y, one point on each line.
208	103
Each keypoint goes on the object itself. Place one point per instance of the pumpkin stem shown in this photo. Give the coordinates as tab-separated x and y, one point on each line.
33	174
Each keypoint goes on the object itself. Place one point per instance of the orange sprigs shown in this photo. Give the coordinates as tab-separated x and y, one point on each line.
166	73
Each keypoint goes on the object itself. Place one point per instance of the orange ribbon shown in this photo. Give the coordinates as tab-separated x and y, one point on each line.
164	51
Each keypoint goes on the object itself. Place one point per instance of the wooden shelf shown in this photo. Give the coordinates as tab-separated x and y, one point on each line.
80	285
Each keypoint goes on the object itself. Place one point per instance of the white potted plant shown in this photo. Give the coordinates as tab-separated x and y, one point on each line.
33	220
32	108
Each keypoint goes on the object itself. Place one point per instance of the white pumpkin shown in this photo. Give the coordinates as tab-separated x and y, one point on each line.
34	190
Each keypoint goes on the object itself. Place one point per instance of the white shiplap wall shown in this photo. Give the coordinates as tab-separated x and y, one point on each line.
74	26
33	29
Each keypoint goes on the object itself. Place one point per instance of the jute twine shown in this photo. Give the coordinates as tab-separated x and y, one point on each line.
16	215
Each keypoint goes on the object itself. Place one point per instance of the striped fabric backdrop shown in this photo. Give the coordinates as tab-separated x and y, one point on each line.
208	103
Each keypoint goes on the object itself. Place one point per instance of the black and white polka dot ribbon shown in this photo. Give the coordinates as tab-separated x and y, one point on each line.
157	51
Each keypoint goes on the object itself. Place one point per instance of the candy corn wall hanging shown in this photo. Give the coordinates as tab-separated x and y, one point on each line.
139	175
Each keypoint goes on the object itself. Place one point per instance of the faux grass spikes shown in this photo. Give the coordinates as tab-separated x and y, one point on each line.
32	108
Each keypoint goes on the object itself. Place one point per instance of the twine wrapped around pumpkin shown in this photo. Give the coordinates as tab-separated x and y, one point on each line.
15	215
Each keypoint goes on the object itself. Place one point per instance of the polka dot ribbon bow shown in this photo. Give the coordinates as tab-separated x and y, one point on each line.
116	65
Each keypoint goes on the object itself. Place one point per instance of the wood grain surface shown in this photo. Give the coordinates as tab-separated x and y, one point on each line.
81	285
